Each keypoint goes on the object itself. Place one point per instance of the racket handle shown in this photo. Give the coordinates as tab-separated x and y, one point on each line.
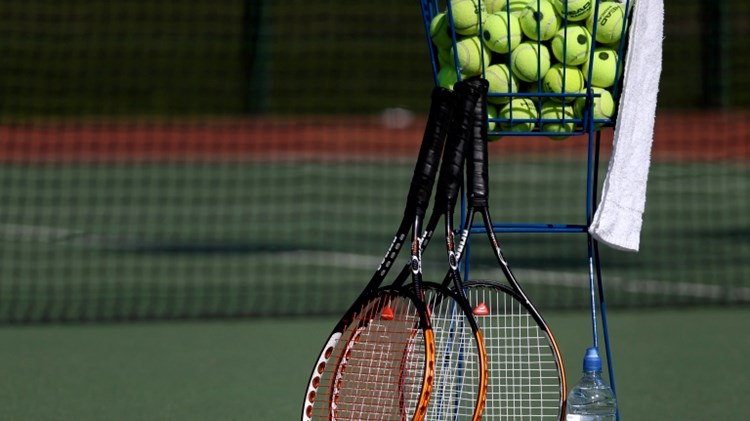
477	166
428	160
459	134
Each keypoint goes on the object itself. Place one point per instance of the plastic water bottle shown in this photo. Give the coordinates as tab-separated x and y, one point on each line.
591	399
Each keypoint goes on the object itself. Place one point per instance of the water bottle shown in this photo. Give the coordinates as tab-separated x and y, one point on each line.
591	399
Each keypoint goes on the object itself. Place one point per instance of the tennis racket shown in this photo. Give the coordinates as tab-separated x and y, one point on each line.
378	361
527	376
460	383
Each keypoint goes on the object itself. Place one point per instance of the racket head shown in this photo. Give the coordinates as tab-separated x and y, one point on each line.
527	375
380	366
459	388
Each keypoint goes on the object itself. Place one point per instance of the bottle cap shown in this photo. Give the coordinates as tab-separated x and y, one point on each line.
592	361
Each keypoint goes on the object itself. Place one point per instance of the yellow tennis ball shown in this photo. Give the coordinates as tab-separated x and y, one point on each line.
572	45
557	118
491	114
519	115
517	6
603	67
539	20
494	6
609	22
445	57
563	79
471	55
603	107
500	80
440	31
530	61
466	14
576	10
447	77
501	34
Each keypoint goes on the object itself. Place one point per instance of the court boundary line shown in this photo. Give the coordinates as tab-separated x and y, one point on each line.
539	277
365	262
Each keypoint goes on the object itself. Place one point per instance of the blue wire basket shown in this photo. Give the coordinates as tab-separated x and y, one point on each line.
554	66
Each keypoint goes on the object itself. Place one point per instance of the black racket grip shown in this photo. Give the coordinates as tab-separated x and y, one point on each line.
428	160
477	163
459	135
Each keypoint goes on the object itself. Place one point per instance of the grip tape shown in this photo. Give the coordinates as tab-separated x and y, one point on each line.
477	165
428	160
459	135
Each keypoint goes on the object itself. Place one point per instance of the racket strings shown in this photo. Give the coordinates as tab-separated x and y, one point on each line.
457	365
525	381
380	370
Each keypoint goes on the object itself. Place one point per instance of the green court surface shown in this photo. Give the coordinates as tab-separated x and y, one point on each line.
670	365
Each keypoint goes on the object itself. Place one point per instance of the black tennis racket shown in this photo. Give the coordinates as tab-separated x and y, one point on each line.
527	376
378	362
460	384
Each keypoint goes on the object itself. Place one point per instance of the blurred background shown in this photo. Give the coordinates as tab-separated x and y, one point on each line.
247	159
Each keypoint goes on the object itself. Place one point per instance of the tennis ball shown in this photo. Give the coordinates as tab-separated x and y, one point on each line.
609	23
603	106
604	71
445	57
577	10
447	77
518	109
502	34
539	20
572	45
471	55
559	119
501	82
494	6
530	61
440	31
466	14
517	6
491	114
563	79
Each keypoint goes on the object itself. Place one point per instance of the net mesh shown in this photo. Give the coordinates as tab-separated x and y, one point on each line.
201	159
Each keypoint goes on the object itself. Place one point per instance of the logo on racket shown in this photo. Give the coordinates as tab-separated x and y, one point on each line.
416	265
453	260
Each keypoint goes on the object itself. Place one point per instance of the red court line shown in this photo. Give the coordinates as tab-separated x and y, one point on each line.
679	136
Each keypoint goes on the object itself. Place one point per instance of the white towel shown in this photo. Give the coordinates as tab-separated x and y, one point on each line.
619	216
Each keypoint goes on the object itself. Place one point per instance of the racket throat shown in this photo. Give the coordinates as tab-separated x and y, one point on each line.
453	260
416	265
